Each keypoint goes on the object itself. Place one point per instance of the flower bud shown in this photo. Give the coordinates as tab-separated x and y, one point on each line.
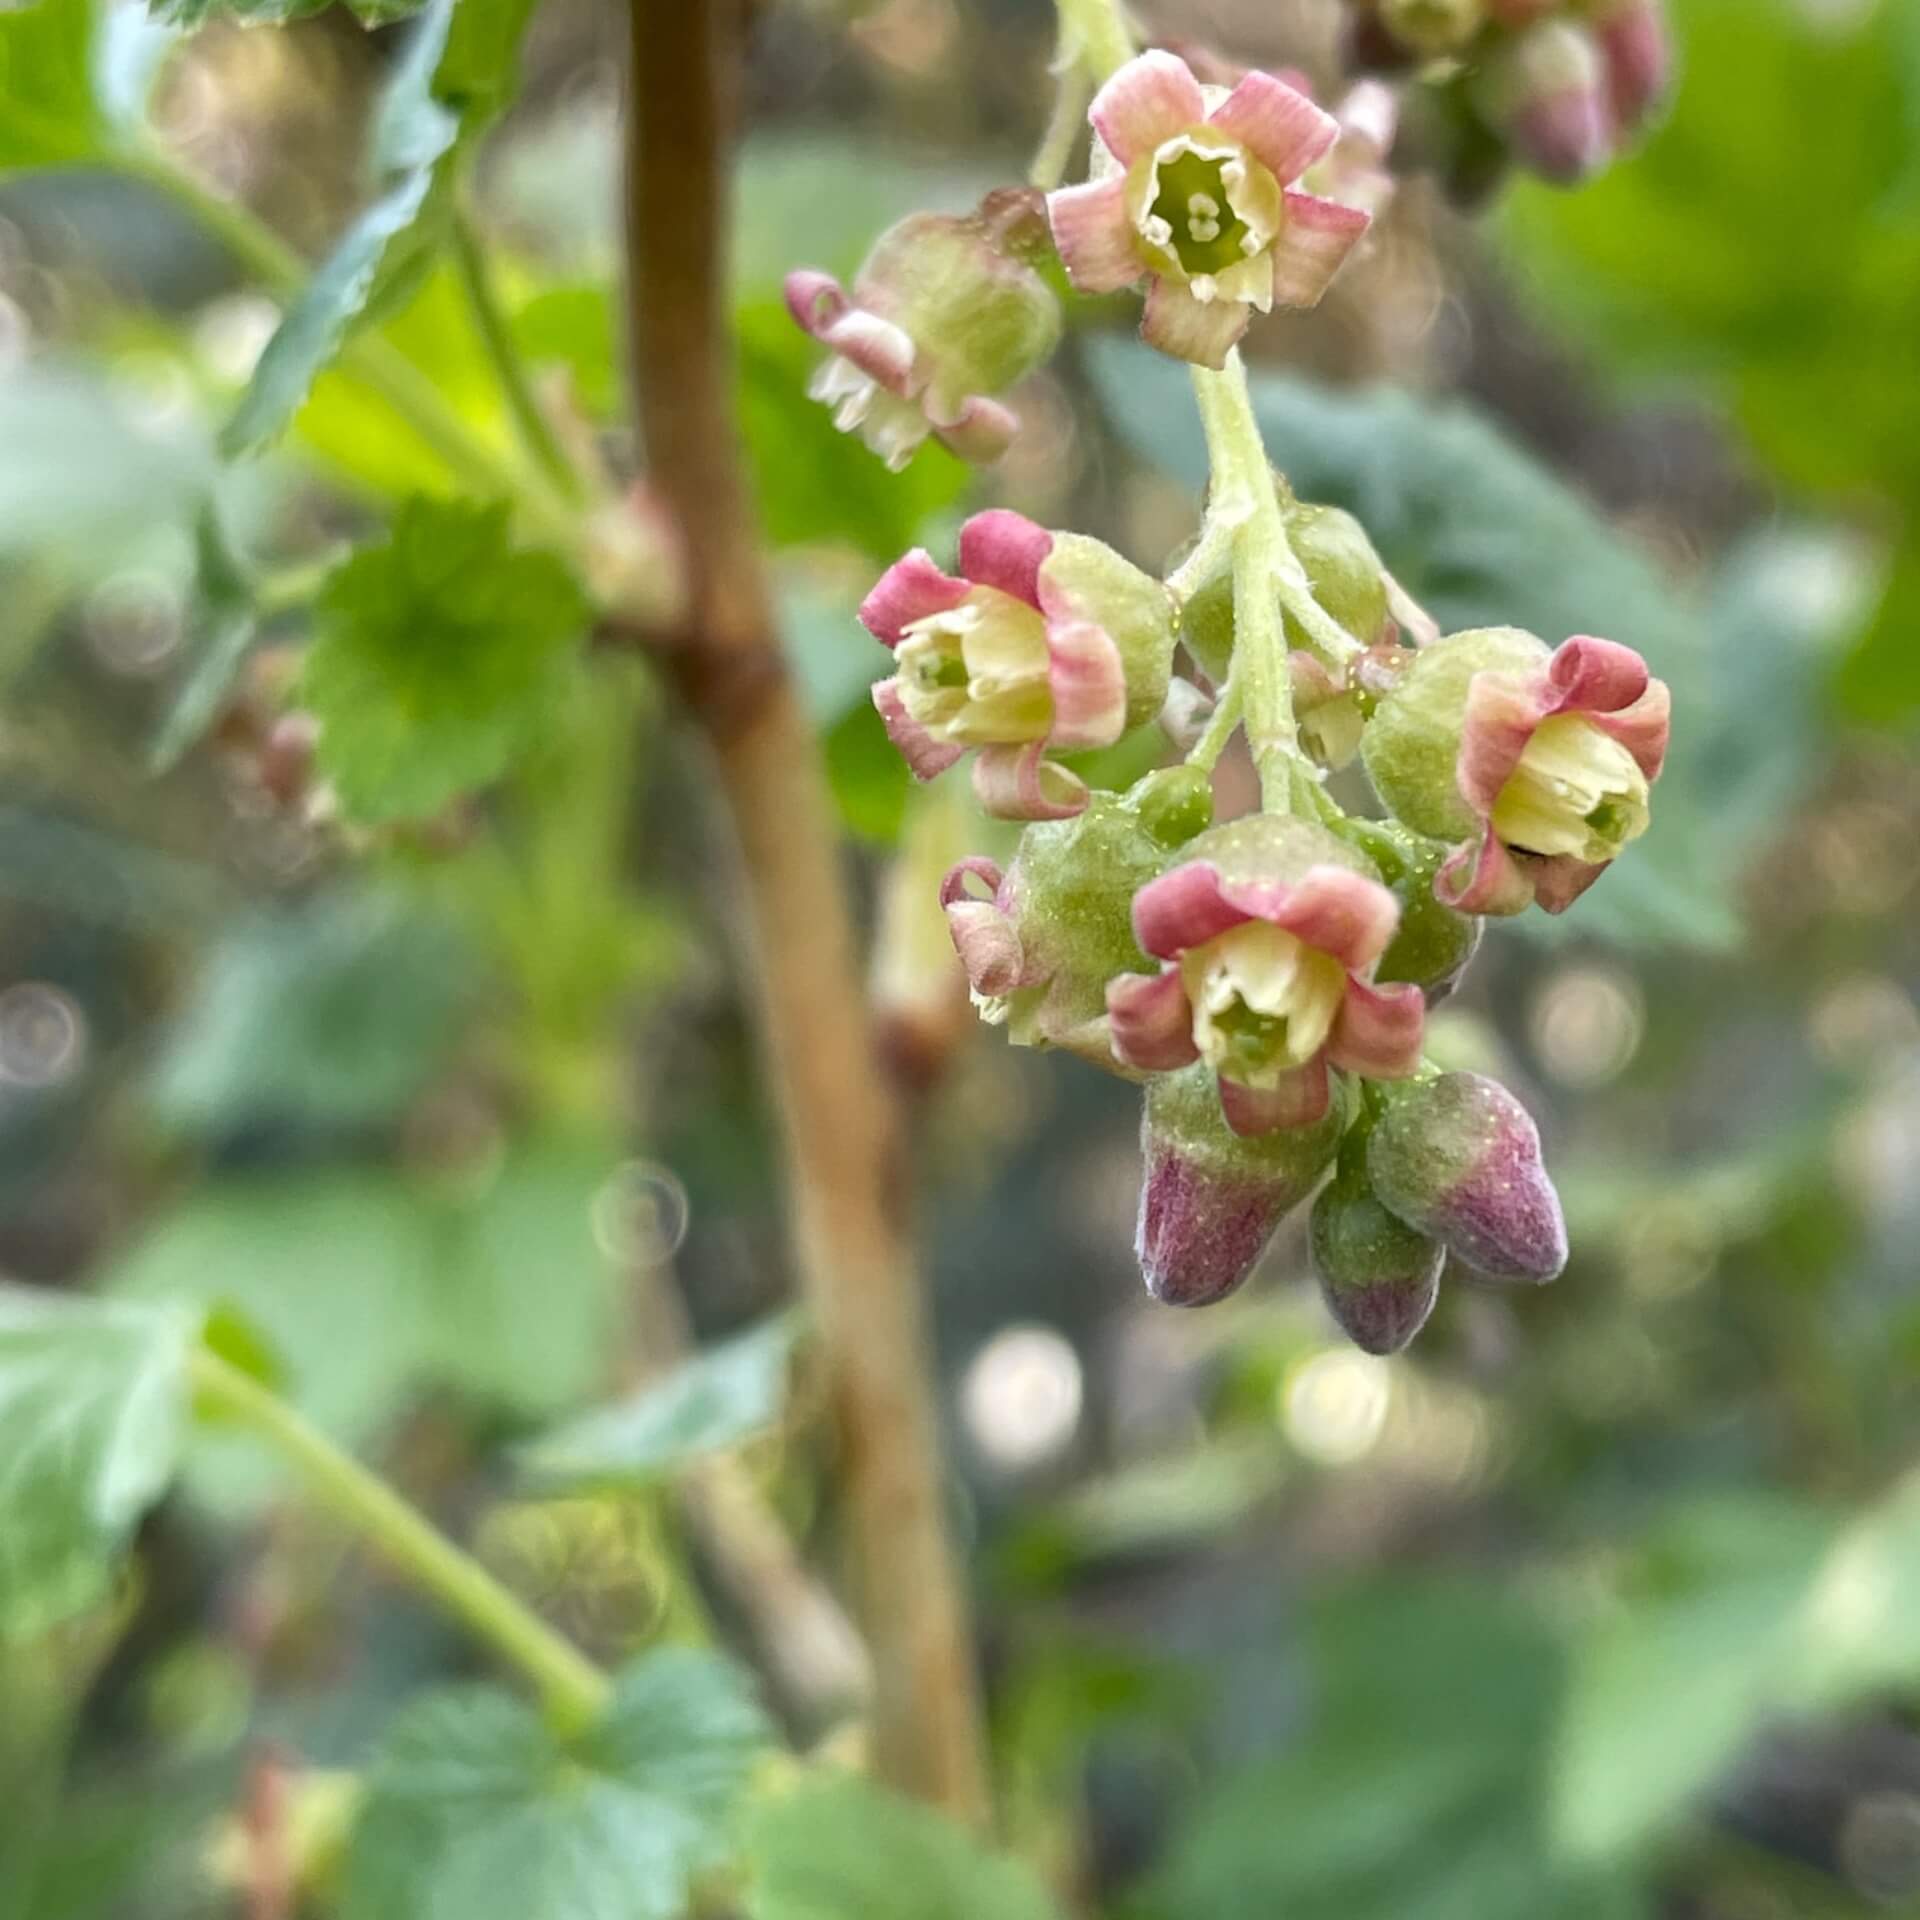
945	314
1637	49
1540	764
1433	27
1209	1199
1546	90
1457	1157
1379	1277
1041	941
1175	804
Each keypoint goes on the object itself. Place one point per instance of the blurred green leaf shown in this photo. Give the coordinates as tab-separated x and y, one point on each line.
458	70
846	1850
92	1406
48	116
476	1811
439	655
813	483
1415	1789
332	1014
196	13
1485	536
224	621
711	1401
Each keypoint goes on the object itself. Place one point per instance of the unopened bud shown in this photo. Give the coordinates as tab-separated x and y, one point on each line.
1457	1157
1547	91
1342	568
1433	944
1379	1277
1433	27
1636	45
1210	1199
1175	804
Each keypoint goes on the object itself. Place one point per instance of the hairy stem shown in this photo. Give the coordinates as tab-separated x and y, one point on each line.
571	1687
1072	89
1099	30
1219	728
840	1122
483	302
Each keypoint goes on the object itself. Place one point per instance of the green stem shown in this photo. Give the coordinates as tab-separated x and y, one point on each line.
376	363
536	431
572	1688
1099	29
1072	89
1219	728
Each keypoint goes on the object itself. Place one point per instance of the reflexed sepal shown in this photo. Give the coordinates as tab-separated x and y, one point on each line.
1210	1199
1379	1277
1085	579
1457	1157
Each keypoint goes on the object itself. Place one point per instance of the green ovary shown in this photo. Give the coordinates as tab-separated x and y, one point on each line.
1577	791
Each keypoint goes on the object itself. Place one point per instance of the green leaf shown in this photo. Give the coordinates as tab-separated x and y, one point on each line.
48	116
476	1811
710	1402
1484	535
331	1015
92	1406
848	1851
224	621
458	70
439	655
257	13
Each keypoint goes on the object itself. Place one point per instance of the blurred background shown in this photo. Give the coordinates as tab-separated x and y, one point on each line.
1603	1601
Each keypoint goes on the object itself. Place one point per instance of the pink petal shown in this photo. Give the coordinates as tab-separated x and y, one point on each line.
1004	549
1094	236
1149	100
1089	686
980	432
1642	728
1020	783
925	756
1501	714
1301	1098
909	590
1285	130
1150	1021
1483	878
1639	59
815	299
1378	1030
1332	909
1313	247
1184	908
1567	135
1203	332
877	347
1559	879
1586	675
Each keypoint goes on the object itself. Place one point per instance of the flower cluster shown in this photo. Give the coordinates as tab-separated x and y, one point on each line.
1561	86
1267	978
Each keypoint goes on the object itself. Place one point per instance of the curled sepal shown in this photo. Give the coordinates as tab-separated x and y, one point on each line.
1040	941
1538	764
1043	643
1379	1277
1268	933
1211	1199
945	314
1547	90
1193	191
1457	1157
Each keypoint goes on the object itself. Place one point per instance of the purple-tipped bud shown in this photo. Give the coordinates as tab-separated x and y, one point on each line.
1379	1277
1211	1199
1638	51
1458	1158
1546	90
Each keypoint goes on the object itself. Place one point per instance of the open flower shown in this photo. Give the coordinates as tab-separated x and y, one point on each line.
943	316
1046	642
1192	190
1539	764
1269	934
